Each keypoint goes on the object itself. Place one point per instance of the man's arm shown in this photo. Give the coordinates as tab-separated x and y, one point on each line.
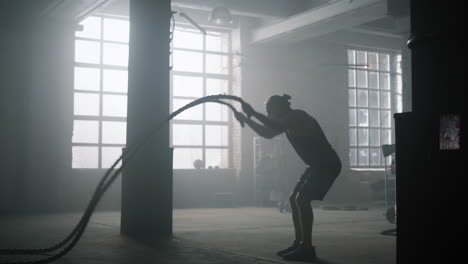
248	109
260	129
269	123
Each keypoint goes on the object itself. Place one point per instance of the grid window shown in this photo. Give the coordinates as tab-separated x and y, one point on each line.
201	67
374	94
100	92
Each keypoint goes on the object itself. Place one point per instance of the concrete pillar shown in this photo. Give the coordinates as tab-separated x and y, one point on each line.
147	178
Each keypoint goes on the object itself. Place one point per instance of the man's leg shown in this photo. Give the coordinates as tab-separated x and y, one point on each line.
306	219
305	252
296	223
295	216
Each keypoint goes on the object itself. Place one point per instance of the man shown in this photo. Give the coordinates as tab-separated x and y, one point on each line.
309	141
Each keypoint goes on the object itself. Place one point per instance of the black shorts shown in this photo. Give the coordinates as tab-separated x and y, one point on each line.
316	182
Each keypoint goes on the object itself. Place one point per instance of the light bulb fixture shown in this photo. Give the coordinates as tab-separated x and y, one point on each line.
220	16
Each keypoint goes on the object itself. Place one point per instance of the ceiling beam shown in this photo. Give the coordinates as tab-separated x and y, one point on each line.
322	20
273	9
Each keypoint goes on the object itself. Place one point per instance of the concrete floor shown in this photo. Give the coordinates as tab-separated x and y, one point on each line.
230	235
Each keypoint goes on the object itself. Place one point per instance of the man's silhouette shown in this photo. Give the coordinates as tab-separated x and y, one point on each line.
309	141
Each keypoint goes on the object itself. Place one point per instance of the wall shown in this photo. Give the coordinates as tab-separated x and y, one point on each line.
36	70
192	188
11	113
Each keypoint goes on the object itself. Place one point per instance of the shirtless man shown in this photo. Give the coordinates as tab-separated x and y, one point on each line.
309	141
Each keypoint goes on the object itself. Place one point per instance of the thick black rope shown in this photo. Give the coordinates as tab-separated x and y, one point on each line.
104	184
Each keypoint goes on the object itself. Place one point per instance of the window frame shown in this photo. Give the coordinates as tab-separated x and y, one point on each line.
394	57
204	75
100	118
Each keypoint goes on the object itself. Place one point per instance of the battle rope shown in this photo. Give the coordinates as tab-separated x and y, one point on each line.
106	181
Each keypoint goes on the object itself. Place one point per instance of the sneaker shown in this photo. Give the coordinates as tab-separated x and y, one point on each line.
293	247
301	254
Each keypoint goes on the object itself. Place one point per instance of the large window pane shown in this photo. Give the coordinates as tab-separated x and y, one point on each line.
194	113
352	78
109	155
374	157
352	97
187	39
91	28
86	104
188	61
384	62
87	51
115	54
87	79
216	86
363	137
351	57
353	137
386	119
374	118
374	137
85	131
114	105
352	117
362	79
373	80
184	157
374	99
363	99
217	158
217	64
385	100
115	81
187	86
384	82
116	30
363	157
386	136
216	112
217	42
216	135
373	61
84	157
363	118
187	135
114	132
353	157
361	59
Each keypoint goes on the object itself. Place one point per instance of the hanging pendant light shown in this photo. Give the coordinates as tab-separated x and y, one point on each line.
220	16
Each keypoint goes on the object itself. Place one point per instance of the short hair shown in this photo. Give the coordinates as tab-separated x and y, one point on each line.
279	100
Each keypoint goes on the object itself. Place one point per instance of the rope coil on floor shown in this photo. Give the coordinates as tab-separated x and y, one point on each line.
106	181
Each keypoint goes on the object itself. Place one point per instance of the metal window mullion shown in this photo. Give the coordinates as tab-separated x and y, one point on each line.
204	94
188	146
202	74
87	39
230	89
217	147
219	52
86	65
115	42
101	100
185	97
113	93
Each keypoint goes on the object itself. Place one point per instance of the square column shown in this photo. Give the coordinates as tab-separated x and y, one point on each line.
147	177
